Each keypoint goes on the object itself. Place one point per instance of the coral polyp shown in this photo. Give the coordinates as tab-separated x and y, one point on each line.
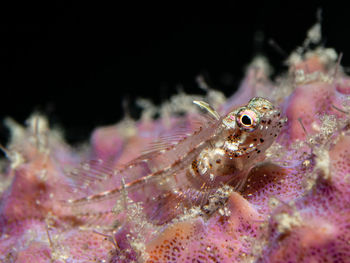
290	204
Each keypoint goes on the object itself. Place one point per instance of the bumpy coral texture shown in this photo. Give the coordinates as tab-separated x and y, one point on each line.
295	206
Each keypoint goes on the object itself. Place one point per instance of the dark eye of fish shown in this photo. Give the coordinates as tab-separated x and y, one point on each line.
247	119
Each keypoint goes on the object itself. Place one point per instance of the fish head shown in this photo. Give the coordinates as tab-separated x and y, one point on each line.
253	127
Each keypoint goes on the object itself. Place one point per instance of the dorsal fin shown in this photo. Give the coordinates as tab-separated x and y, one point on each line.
208	108
168	139
89	172
183	130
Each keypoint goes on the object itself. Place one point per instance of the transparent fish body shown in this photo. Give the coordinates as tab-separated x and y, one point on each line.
185	172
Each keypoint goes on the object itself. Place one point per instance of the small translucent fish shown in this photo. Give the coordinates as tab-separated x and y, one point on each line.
186	171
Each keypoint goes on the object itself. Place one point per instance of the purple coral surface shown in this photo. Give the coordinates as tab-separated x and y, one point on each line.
294	207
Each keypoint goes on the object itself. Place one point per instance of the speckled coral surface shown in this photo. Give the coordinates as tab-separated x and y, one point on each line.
295	206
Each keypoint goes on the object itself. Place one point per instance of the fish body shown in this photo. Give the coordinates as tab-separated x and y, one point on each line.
186	173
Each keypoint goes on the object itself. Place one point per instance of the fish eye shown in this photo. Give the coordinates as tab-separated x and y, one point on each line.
247	119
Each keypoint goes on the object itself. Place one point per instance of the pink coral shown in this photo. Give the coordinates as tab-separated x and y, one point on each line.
294	207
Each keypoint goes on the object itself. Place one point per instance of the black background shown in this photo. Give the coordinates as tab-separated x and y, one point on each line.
77	61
